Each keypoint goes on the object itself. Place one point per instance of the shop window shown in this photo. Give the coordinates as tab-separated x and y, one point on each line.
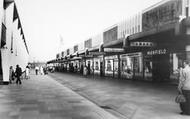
96	65
109	65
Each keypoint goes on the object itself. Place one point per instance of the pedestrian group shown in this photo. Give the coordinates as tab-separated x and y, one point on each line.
16	75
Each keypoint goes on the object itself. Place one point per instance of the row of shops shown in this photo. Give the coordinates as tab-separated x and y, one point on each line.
153	53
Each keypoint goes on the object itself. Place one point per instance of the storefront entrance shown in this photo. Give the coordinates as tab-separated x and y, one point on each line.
161	66
111	66
157	65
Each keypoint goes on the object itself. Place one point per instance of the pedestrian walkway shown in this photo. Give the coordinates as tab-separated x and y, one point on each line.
128	99
41	97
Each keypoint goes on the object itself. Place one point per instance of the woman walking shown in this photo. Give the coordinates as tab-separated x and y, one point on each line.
184	88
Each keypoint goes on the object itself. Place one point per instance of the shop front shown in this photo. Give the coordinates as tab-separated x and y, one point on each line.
111	66
157	65
98	65
131	65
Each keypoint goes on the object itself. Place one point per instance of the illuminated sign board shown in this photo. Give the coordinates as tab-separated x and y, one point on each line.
142	44
115	50
161	15
157	52
97	53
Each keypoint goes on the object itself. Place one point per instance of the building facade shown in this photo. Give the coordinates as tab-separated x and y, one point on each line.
13	49
150	46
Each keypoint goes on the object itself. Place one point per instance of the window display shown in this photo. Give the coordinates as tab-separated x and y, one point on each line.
131	65
111	66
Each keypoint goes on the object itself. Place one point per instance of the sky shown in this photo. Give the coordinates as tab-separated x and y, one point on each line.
45	22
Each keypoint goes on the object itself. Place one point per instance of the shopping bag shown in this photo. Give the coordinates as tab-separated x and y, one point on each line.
180	98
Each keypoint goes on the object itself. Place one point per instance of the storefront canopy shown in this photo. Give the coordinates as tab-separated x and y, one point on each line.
152	31
114	44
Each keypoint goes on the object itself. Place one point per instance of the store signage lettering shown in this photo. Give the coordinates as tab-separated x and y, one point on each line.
89	56
157	52
81	55
111	57
142	44
97	53
115	50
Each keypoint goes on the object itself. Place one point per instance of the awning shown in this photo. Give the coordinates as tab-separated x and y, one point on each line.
114	44
93	49
75	58
186	21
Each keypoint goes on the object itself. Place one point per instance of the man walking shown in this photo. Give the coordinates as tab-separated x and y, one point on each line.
18	73
36	69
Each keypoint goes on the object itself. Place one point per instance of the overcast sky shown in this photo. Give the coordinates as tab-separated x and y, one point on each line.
44	21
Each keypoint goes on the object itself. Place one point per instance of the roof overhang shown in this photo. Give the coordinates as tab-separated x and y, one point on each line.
114	44
81	52
93	49
15	13
75	58
7	3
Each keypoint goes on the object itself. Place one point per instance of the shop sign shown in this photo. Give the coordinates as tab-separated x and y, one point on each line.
97	53
111	57
81	55
114	50
161	15
89	56
157	52
142	44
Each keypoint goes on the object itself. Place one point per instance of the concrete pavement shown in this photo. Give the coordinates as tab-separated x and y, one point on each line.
41	97
126	99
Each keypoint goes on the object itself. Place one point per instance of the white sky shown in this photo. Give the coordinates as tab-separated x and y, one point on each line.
44	21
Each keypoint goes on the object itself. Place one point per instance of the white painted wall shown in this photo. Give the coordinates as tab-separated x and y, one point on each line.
19	55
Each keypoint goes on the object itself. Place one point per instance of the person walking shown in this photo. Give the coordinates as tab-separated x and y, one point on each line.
41	70
184	87
85	71
27	72
11	74
18	73
36	69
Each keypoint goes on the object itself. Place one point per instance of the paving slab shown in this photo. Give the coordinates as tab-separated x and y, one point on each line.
41	97
125	98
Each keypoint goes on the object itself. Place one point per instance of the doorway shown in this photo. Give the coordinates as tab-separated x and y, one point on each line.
161	67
